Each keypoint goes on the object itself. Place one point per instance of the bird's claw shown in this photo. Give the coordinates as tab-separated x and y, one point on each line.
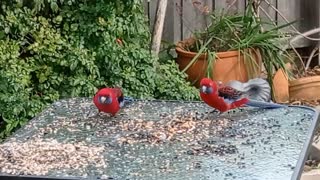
207	115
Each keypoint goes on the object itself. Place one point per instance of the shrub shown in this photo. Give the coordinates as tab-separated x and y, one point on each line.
54	49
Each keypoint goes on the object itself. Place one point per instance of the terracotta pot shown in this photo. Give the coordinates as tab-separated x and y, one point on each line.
228	66
281	86
306	88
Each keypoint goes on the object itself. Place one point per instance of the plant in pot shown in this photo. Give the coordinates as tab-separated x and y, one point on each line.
304	85
233	47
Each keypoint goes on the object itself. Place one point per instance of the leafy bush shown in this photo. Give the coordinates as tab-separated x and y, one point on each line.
54	49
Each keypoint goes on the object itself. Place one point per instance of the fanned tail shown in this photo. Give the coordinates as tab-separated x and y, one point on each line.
126	101
258	89
266	105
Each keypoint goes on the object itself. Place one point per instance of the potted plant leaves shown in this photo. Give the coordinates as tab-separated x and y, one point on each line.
233	47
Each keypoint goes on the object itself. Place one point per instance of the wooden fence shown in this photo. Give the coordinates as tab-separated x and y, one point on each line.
185	16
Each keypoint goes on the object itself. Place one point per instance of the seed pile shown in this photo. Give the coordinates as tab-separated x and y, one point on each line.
173	129
38	157
185	127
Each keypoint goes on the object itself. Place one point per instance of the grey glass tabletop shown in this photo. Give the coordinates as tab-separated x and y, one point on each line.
160	140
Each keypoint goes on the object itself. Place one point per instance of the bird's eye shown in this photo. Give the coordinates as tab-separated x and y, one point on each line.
209	90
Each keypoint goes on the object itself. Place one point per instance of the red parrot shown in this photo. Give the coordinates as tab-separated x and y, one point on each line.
209	93
235	94
110	100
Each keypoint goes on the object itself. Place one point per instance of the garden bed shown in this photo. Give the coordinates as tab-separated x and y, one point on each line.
159	139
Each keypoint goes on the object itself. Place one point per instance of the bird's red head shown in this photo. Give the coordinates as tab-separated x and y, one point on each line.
207	86
103	96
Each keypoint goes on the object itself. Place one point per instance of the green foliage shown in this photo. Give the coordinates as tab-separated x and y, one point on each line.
52	49
175	86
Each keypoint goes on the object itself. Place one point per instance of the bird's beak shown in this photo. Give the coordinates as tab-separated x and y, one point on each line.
103	99
203	89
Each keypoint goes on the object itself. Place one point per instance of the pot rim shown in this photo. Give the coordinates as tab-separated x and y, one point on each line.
223	54
304	80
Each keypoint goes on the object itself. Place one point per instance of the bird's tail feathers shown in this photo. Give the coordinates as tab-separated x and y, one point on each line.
258	89
126	101
261	104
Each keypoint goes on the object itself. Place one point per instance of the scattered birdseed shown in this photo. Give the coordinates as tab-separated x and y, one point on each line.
38	157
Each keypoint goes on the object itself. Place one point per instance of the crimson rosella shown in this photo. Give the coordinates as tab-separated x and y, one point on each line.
225	97
110	100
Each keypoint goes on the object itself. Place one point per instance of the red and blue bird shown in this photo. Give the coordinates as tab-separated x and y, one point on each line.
110	100
254	93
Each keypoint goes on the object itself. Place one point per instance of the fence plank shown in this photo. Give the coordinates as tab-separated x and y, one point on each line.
146	10
182	17
194	16
172	27
236	6
309	14
290	9
146	7
152	12
267	13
